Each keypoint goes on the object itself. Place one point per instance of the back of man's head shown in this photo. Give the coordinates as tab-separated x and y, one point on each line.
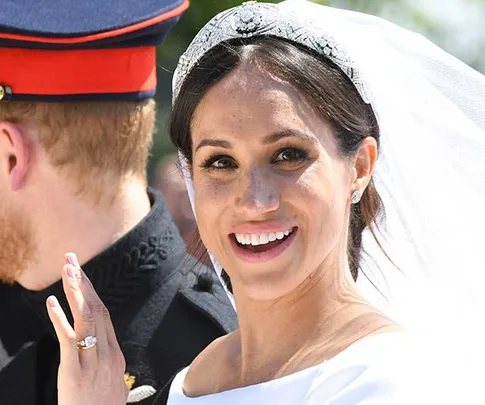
88	142
77	81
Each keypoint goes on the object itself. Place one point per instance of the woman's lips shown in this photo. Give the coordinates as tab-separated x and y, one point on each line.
262	252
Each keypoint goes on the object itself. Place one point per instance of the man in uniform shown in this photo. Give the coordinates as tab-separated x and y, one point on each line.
76	120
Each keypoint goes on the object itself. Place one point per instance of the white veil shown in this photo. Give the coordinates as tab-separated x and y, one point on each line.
430	173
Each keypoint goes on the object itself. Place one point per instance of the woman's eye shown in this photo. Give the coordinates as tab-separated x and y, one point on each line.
219	162
290	155
223	163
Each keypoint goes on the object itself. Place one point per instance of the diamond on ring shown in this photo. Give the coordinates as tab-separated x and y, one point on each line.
87	343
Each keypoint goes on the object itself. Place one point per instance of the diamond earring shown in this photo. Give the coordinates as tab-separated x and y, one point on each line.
356	196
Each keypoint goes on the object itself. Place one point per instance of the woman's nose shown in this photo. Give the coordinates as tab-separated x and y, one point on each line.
257	192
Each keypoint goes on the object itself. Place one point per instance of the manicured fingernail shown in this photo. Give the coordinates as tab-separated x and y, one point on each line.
52	301
72	259
71	271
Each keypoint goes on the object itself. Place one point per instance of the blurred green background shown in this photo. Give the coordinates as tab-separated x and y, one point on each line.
455	25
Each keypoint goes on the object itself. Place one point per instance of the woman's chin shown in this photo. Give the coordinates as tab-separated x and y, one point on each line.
268	285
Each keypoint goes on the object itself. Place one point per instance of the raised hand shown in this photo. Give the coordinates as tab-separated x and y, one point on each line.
92	365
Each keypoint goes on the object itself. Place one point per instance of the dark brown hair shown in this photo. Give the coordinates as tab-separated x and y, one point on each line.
324	86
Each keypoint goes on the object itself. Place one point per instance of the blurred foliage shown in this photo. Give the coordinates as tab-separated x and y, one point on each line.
407	13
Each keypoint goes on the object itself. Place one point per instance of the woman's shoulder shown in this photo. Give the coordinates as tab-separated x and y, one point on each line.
387	368
201	375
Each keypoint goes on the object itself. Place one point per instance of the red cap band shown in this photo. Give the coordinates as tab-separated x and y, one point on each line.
70	72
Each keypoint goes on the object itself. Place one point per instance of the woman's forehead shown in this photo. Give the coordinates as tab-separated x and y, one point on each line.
247	97
251	80
227	118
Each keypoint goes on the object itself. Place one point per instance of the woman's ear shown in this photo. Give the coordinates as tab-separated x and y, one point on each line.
14	154
364	164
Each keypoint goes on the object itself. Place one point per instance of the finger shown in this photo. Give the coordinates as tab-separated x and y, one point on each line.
99	312
111	335
83	318
65	334
84	324
113	352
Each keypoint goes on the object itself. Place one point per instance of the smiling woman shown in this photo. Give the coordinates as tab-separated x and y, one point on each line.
281	149
267	70
279	128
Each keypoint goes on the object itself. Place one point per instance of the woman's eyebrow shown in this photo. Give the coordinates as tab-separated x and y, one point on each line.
217	143
288	133
275	137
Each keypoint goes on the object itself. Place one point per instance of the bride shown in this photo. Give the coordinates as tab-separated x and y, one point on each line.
299	126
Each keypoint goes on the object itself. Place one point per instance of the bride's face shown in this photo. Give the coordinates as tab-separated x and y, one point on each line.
271	188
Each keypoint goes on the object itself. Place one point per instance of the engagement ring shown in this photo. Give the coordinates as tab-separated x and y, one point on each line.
87	343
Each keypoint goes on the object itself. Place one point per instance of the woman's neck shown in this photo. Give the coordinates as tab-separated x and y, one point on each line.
313	323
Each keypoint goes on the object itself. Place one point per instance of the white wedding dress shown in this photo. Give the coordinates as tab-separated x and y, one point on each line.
382	369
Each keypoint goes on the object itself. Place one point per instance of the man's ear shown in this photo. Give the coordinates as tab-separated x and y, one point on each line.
14	154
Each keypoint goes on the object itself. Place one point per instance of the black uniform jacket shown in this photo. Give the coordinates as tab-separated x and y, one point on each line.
165	308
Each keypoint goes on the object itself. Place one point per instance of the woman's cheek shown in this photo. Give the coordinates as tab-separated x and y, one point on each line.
211	201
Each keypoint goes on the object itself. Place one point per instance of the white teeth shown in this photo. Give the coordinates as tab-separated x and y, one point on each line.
255	240
262	239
